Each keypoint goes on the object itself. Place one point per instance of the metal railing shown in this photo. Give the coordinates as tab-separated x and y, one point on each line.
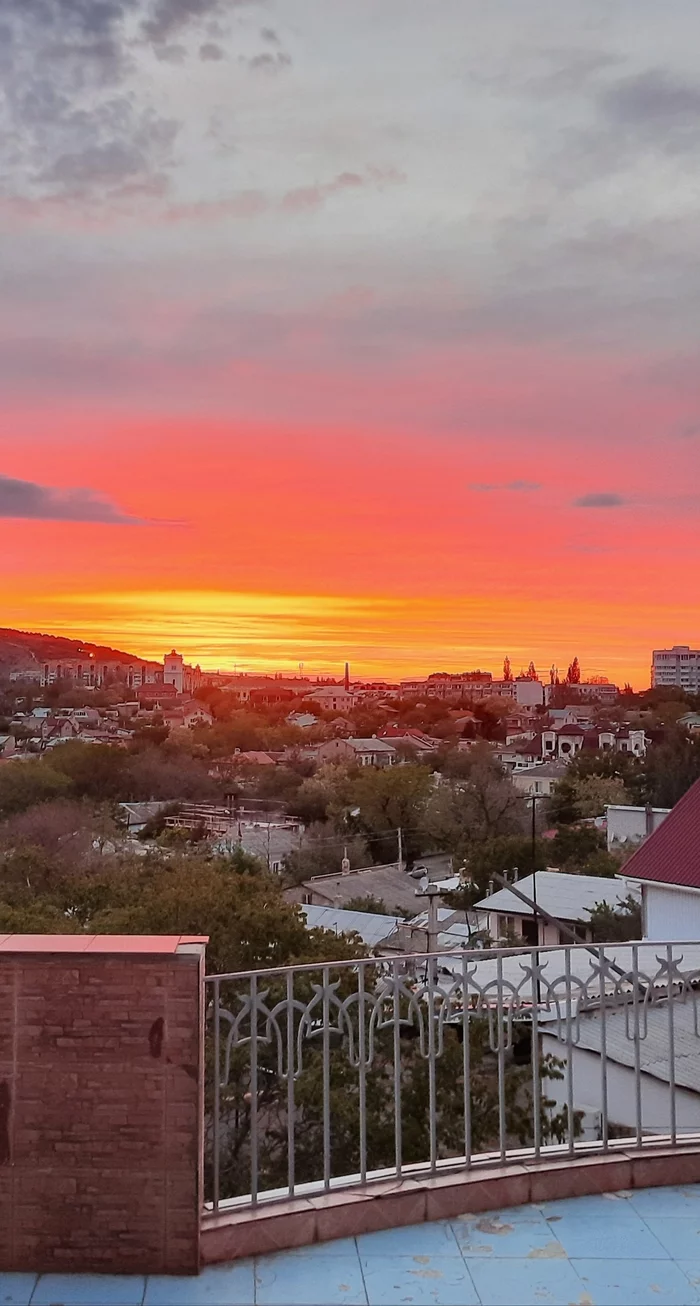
325	1076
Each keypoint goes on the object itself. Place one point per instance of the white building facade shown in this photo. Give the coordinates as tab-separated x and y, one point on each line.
678	666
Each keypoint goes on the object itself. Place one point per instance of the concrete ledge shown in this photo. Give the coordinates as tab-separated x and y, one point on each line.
278	1226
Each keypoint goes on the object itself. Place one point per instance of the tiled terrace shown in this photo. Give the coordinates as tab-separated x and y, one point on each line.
641	1247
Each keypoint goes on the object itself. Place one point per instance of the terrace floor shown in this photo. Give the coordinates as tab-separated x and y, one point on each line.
641	1247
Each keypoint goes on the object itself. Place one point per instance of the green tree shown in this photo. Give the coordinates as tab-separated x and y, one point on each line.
616	924
480	806
671	768
391	798
25	784
369	904
321	852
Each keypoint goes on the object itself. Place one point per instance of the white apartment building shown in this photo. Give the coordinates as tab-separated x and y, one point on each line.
679	666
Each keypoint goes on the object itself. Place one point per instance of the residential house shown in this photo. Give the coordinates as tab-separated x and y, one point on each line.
333	698
302	720
538	780
373	927
188	716
415	741
363	752
567	741
388	884
7	745
529	692
657	1064
568	897
667	867
630	825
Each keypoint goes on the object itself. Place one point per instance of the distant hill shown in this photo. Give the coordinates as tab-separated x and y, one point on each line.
22	649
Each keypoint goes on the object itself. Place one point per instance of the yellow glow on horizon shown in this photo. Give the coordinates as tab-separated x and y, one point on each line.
381	637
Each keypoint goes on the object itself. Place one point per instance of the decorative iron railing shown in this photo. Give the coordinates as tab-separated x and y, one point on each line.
321	1077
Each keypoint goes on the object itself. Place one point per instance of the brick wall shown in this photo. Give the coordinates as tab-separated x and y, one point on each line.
101	1073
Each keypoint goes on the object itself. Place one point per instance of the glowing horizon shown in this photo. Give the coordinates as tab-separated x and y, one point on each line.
276	632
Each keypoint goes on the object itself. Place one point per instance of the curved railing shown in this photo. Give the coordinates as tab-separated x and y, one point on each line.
325	1076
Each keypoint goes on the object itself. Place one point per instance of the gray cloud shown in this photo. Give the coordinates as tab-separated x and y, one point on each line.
656	108
269	34
74	108
210	51
168	17
485	487
689	431
601	500
267	62
26	499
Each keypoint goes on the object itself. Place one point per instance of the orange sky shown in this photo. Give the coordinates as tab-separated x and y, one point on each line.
413	382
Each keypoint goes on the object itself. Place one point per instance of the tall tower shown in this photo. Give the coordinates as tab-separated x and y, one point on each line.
347	677
174	670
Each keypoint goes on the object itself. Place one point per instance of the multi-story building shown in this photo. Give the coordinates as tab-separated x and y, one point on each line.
679	666
448	687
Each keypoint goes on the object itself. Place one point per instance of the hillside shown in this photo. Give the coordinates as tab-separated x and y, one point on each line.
20	649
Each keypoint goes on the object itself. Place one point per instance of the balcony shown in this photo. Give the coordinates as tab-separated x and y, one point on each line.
463	1127
342	1079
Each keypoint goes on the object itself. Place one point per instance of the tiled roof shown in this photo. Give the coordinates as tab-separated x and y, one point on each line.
671	855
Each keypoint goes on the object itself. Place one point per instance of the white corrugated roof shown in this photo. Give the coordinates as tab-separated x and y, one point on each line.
371	926
483	967
569	897
654	1049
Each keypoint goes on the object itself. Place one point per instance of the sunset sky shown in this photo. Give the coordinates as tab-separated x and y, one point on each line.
352	329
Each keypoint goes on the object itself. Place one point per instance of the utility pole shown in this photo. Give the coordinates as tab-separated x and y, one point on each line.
400	839
431	892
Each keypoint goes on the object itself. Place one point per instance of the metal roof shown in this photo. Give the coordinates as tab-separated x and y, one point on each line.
654	1056
371	926
373	745
671	855
485	967
388	883
569	897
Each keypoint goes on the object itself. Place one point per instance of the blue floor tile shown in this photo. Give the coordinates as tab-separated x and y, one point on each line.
217	1285
16	1289
314	1281
433	1239
526	1282
482	1235
644	1283
337	1247
608	1239
437	1280
680	1235
667	1202
89	1290
691	1270
606	1206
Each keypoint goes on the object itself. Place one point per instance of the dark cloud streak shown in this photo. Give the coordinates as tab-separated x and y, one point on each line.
30	501
600	500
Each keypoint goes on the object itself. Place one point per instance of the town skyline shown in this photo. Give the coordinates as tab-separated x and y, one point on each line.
500	667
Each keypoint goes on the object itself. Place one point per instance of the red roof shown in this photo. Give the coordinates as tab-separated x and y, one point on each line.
671	855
